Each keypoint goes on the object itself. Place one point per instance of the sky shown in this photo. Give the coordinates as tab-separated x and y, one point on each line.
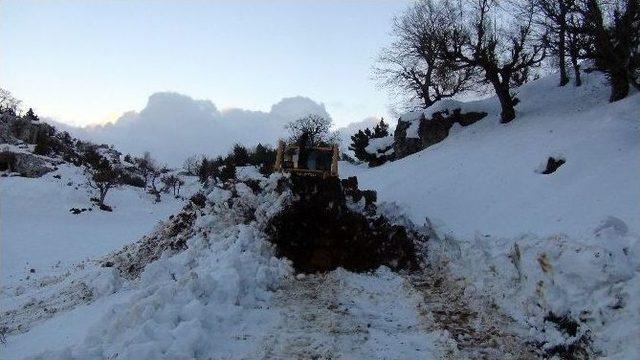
85	62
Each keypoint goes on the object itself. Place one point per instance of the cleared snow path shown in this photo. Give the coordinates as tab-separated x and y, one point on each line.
353	316
481	332
384	315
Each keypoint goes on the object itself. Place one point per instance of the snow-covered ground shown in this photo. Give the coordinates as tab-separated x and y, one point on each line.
565	242
226	296
508	246
38	231
483	178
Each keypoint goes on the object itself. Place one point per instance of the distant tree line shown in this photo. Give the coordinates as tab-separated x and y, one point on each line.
443	48
223	168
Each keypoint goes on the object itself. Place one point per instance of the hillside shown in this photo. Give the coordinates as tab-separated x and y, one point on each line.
504	261
485	177
533	243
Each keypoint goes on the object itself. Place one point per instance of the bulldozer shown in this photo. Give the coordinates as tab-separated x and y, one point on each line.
307	160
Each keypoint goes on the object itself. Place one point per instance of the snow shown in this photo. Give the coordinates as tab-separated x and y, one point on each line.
566	242
228	296
380	146
483	177
38	231
507	247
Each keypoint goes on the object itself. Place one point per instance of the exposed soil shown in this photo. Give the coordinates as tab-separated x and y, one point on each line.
319	232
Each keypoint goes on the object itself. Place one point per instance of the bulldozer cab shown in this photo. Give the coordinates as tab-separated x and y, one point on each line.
307	160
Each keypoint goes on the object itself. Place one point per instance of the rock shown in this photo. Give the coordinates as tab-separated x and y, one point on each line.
430	131
14	128
26	164
403	145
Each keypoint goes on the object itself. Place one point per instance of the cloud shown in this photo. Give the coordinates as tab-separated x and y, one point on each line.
173	126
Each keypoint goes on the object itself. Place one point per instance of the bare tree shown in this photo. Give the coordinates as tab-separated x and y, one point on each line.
145	166
554	18
500	43
315	128
172	182
192	164
576	43
613	30
8	102
414	65
155	174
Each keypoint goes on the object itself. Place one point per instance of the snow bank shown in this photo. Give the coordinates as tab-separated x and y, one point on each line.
593	281
195	304
540	247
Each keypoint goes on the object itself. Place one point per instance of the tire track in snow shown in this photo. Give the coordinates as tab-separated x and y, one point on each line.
481	332
353	316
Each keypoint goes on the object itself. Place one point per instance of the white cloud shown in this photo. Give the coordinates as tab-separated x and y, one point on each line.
174	126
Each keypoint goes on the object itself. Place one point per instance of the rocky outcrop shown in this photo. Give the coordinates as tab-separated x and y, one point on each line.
25	164
403	145
14	129
429	131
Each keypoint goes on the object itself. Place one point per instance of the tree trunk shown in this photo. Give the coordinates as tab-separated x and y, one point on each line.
576	70
103	194
500	84
506	102
562	42
564	79
619	85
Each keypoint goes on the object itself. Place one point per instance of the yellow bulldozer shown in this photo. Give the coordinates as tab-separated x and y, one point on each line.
307	160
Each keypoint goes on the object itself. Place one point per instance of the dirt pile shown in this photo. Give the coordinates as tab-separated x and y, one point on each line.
327	226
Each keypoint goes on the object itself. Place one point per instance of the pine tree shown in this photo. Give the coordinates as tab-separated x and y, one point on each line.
381	129
359	142
203	171
240	155
30	115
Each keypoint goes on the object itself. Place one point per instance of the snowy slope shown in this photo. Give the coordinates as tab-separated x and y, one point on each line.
38	231
483	177
565	243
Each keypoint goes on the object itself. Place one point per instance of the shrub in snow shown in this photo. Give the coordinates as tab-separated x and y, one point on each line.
373	147
228	172
319	231
172	182
240	155
198	199
223	168
7	161
131	179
